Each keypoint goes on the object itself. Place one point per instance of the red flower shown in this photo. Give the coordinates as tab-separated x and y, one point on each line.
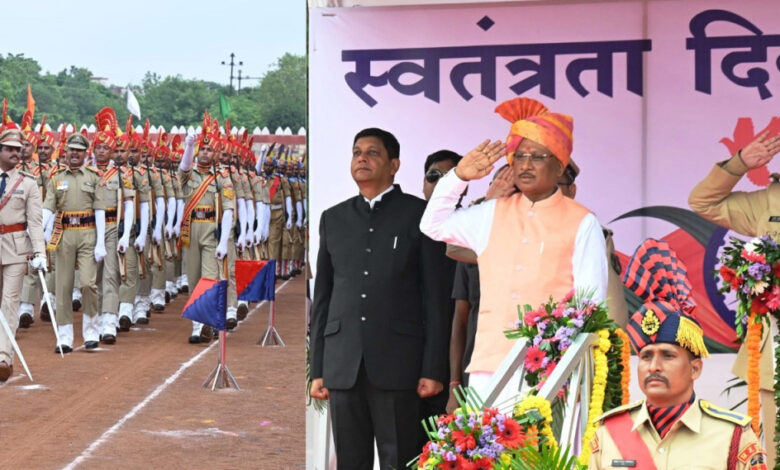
459	463
727	273
558	311
567	297
445	419
425	453
773	300
463	440
512	435
758	307
776	269
488	414
485	463
736	283
754	257
549	369
531	317
533	359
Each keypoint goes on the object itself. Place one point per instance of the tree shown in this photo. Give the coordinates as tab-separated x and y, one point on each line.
282	93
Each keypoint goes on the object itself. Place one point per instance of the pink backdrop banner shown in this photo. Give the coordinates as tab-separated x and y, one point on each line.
659	91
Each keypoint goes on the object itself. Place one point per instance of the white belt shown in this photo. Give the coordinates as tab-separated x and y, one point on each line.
276	207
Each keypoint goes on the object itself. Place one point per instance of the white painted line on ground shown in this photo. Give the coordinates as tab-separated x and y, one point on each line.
87	453
13	379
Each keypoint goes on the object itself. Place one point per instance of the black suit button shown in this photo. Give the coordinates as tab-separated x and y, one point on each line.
371	229
363	295
368	250
365	273
362	318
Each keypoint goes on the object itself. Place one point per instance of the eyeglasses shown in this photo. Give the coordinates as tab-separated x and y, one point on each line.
433	176
536	160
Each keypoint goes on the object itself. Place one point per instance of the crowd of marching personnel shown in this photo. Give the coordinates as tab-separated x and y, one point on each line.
130	220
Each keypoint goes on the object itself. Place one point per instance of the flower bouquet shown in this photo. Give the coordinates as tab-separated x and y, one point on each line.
477	438
551	329
752	271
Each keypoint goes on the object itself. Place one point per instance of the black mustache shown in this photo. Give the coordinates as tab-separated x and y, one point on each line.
656	376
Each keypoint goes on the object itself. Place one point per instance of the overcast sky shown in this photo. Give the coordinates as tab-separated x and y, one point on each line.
122	40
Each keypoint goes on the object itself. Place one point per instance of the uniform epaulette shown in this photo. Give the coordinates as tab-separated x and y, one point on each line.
224	172
619	409
154	169
29	175
140	170
722	413
92	169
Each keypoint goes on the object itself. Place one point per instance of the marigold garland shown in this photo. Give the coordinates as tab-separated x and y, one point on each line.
625	358
753	374
531	402
597	395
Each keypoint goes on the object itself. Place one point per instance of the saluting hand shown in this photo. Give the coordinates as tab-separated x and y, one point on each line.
760	152
479	162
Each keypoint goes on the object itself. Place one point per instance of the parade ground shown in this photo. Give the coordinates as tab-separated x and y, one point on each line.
139	403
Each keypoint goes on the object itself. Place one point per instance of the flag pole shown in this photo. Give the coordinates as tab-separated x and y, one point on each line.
221	377
271	336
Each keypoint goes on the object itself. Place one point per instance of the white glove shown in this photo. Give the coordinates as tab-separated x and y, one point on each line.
38	263
288	225
227	225
189	153
100	229
179	215
100	252
140	242
48	224
241	242
266	221
157	236
158	222
123	242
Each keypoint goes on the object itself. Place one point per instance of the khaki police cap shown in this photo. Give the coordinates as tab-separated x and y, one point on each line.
11	138
78	142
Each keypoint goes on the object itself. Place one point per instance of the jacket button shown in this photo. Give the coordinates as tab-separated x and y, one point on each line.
368	250
363	295
371	229
362	318
365	273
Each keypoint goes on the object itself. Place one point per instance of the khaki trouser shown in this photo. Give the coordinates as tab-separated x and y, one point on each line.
108	278
128	287
158	274
11	278
232	295
199	260
31	286
275	229
298	247
288	245
76	245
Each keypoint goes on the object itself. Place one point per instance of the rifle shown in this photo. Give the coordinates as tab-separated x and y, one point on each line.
120	226
137	228
155	252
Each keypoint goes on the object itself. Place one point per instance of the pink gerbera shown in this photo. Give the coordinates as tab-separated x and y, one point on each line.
533	359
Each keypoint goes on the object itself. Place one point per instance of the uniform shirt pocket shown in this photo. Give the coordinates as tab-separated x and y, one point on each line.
17	201
22	243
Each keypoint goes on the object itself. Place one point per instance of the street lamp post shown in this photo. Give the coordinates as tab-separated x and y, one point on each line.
244	78
232	64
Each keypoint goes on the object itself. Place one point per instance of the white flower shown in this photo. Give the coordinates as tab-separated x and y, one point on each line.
751	246
759	287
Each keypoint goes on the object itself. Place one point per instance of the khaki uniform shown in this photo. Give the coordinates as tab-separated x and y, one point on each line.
118	187
156	273
169	262
297	193
700	439
753	214
260	185
31	286
23	207
165	186
278	221
199	260
74	195
129	286
232	255
177	262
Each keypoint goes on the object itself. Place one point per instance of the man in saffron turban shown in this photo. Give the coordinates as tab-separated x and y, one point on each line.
532	245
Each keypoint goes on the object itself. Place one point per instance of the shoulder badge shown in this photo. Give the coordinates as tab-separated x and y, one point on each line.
92	169
29	175
724	414
225	173
619	409
141	171
154	169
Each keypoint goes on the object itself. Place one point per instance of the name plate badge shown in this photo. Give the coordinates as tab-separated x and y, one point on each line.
623	463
